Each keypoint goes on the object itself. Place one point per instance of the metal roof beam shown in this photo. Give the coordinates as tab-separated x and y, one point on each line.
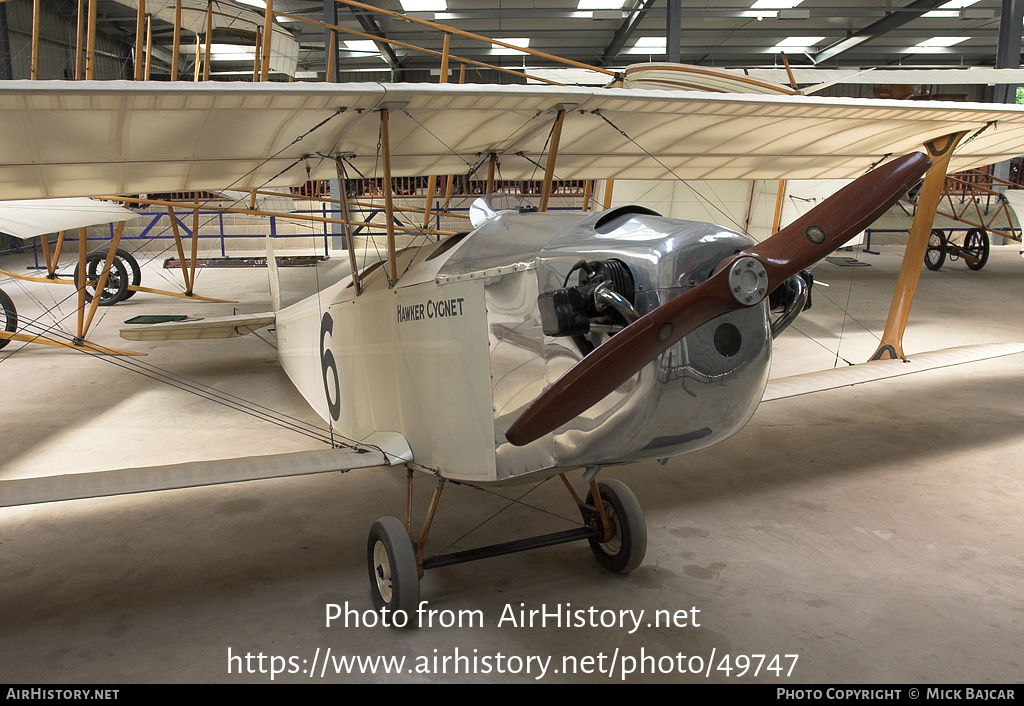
673	30
888	23
625	30
370	26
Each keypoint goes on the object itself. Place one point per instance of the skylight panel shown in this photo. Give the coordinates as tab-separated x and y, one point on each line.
950	9
775	4
364	46
424	5
939	42
648	45
798	43
515	41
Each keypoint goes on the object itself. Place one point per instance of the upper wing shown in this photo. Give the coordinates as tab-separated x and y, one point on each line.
27	219
111	137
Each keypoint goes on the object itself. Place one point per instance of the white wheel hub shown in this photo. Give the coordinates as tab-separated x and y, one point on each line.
382	570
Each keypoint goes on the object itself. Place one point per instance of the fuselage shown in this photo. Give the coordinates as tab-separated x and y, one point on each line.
452	353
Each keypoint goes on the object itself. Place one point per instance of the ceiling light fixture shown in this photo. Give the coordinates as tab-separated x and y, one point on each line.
424	5
515	41
950	9
798	43
648	45
939	42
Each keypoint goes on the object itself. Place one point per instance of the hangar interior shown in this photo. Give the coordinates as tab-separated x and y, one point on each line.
866	534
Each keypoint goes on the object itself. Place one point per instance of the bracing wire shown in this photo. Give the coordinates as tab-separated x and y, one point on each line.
668	169
185	384
511	502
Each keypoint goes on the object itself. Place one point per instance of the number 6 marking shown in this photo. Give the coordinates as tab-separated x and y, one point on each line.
327	362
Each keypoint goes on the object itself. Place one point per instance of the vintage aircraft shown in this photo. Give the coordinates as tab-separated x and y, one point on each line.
566	341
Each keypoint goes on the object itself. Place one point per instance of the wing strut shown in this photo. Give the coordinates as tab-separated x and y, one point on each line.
83	326
389	206
940	150
549	172
350	244
432	181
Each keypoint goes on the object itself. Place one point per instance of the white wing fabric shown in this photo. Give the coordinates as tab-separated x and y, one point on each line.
91	138
27	219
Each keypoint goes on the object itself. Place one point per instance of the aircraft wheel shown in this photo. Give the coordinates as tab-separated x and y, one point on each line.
391	559
976	243
625	551
936	253
134	270
117	281
8	317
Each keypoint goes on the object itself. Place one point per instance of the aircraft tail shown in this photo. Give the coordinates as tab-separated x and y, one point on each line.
275	279
216	327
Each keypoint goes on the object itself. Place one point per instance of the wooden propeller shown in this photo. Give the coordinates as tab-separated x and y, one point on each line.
739	281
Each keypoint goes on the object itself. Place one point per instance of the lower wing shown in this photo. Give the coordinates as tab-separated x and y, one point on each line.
379	449
818	381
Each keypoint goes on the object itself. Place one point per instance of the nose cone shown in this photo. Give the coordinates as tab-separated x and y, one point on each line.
696	392
705	387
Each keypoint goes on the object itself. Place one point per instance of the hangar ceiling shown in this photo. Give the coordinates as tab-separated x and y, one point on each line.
723	33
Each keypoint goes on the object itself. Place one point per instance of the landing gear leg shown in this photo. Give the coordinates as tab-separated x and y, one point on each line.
613	524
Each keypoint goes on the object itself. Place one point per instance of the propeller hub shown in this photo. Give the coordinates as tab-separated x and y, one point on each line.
748	281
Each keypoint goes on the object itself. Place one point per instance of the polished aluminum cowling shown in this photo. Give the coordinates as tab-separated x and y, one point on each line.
698	392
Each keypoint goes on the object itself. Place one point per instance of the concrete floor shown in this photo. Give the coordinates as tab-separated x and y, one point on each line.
874	532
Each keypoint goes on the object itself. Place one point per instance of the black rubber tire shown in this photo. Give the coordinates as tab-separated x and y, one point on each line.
626	550
10	316
977	243
117	280
391	561
936	253
134	270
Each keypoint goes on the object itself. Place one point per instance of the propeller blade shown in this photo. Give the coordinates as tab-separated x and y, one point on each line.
740	281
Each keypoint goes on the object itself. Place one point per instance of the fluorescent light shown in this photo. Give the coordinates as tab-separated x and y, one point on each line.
254	3
939	42
364	46
950	9
775	4
599	5
424	5
800	43
516	41
648	45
